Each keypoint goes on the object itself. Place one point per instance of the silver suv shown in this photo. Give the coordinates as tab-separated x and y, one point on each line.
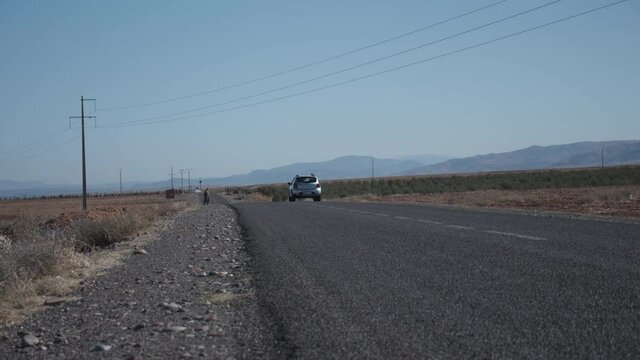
305	186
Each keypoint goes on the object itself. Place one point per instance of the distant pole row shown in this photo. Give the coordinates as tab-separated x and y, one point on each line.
182	171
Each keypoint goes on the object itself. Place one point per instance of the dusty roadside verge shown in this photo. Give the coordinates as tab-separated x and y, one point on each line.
190	295
48	248
33	296
610	201
606	202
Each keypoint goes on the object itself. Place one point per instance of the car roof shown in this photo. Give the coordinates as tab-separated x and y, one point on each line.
310	175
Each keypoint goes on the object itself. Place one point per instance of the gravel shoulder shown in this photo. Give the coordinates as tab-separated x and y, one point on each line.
190	295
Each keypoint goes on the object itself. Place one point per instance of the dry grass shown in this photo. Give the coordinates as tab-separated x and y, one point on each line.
48	246
32	257
257	197
621	201
72	207
90	234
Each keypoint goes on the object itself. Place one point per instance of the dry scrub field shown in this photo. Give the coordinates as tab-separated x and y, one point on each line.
49	246
619	201
66	209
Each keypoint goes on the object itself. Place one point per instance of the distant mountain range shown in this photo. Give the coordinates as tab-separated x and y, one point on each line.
31	188
341	168
583	154
345	167
16	185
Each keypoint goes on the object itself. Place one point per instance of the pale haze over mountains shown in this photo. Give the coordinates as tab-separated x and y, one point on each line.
583	154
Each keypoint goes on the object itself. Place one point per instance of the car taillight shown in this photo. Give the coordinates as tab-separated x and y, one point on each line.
317	186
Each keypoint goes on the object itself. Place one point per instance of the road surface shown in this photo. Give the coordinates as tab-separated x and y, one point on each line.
346	280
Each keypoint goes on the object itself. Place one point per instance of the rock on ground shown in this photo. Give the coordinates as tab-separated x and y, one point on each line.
159	306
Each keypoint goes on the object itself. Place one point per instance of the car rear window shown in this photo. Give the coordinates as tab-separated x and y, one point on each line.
306	179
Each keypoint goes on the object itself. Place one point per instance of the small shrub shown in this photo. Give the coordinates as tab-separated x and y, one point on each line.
22	228
29	258
275	192
279	196
104	232
166	209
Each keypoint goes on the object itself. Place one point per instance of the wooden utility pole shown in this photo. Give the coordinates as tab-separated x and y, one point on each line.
120	181
181	180
373	175
84	158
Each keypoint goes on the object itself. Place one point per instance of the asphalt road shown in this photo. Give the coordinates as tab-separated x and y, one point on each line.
345	280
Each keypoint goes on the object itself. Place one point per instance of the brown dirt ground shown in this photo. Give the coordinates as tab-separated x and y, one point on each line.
62	212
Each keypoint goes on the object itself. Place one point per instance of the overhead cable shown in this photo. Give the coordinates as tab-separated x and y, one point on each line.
26	156
33	145
464	49
348	68
297	68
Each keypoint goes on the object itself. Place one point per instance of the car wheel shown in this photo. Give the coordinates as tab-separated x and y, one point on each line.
292	198
317	198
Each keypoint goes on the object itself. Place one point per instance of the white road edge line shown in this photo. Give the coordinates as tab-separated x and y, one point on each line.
516	235
430	222
385	215
402	218
460	227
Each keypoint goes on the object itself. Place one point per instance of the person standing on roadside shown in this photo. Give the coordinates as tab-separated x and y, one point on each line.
206	196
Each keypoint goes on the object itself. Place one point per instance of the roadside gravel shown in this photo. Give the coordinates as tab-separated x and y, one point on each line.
188	294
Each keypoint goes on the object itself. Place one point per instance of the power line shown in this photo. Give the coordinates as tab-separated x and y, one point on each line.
297	68
347	69
22	153
515	34
33	145
47	150
141	123
36	144
138	123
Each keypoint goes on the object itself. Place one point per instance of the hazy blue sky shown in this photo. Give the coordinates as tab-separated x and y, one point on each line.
574	81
